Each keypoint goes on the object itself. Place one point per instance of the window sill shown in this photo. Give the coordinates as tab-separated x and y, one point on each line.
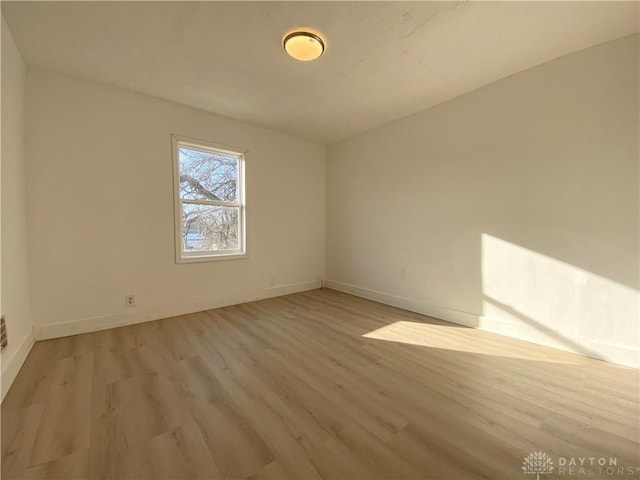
211	258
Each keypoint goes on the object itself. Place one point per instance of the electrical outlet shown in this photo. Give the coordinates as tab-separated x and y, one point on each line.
129	300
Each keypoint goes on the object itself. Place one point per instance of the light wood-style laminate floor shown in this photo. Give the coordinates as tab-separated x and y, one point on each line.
312	385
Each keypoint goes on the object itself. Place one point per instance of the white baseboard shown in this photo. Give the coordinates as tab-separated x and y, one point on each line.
619	354
94	324
418	306
11	366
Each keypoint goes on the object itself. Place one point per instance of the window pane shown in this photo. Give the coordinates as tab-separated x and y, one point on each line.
208	227
207	175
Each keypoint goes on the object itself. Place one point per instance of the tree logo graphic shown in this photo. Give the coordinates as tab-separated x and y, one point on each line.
537	463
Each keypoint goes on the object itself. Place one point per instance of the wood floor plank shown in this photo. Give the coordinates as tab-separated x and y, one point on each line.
19	428
236	447
65	420
33	383
315	385
182	453
69	467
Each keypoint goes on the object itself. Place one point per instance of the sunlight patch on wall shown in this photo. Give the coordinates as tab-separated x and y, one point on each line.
533	296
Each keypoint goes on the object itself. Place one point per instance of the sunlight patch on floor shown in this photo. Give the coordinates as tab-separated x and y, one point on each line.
467	340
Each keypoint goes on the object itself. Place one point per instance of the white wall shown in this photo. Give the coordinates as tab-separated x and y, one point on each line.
514	208
14	291
101	208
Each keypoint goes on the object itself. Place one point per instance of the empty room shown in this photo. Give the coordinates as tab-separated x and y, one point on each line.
320	240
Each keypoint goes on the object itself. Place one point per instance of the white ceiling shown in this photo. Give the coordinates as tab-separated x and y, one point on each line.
384	60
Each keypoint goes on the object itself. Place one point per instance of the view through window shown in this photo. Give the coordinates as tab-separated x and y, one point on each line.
209	201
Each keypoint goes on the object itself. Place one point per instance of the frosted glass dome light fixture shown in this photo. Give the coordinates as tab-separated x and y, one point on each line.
303	45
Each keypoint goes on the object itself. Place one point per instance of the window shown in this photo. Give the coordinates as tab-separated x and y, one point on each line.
209	201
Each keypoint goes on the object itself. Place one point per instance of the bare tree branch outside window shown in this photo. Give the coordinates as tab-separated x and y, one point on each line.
207	176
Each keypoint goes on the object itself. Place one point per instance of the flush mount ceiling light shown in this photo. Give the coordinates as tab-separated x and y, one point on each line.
303	45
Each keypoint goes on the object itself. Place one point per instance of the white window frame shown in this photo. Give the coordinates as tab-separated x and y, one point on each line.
178	141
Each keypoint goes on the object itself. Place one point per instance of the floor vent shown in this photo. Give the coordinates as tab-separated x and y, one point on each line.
3	333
